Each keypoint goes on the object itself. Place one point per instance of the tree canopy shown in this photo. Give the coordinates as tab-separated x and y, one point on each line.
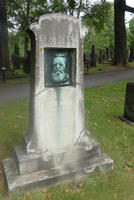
97	17
100	29
120	50
131	33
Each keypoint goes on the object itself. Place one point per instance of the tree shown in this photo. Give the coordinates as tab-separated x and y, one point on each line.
24	12
99	20
130	32
4	50
97	15
57	6
71	7
120	51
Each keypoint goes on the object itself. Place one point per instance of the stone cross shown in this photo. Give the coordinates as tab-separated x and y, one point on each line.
57	146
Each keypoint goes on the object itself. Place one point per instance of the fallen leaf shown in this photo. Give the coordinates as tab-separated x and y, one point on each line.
129	163
128	168
19	116
16	126
95	124
117	147
115	196
44	190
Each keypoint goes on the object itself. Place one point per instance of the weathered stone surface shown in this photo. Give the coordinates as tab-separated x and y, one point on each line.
27	171
55	110
51	176
57	146
129	102
33	162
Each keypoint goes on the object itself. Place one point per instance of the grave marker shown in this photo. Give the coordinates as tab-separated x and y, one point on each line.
57	146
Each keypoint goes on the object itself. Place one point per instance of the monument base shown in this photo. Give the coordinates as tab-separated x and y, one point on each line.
27	171
19	183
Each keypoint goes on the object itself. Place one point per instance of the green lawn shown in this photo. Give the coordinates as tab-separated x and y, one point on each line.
103	106
15	81
17	77
107	67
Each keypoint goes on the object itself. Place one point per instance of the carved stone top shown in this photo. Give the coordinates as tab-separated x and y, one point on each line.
36	27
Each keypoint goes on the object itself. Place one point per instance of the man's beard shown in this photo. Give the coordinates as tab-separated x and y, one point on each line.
59	76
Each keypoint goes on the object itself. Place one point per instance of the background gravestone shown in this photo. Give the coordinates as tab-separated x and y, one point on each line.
129	103
57	146
93	57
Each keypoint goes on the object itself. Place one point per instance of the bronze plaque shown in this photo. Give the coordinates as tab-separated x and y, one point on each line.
59	66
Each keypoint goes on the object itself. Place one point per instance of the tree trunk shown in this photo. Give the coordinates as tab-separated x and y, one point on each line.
4	50
120	53
79	9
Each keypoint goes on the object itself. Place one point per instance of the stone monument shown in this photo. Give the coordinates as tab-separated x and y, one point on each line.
57	146
128	116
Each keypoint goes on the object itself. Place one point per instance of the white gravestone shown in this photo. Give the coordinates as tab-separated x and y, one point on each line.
57	145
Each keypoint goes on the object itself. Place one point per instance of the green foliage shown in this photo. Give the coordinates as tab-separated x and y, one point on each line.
71	6
131	33
100	29
57	6
16	37
23	12
97	15
16	49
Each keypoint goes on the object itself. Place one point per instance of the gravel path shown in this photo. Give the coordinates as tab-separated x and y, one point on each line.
13	93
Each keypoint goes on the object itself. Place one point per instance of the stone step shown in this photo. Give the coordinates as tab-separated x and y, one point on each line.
19	183
28	163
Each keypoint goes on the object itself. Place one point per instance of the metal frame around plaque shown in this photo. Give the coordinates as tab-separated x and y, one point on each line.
60	67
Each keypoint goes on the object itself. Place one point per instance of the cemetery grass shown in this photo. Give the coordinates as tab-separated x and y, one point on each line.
17	77
103	106
107	67
14	81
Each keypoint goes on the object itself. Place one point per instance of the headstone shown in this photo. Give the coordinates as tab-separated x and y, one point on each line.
107	54
16	57
101	56
93	57
57	146
129	104
27	63
131	55
86	61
